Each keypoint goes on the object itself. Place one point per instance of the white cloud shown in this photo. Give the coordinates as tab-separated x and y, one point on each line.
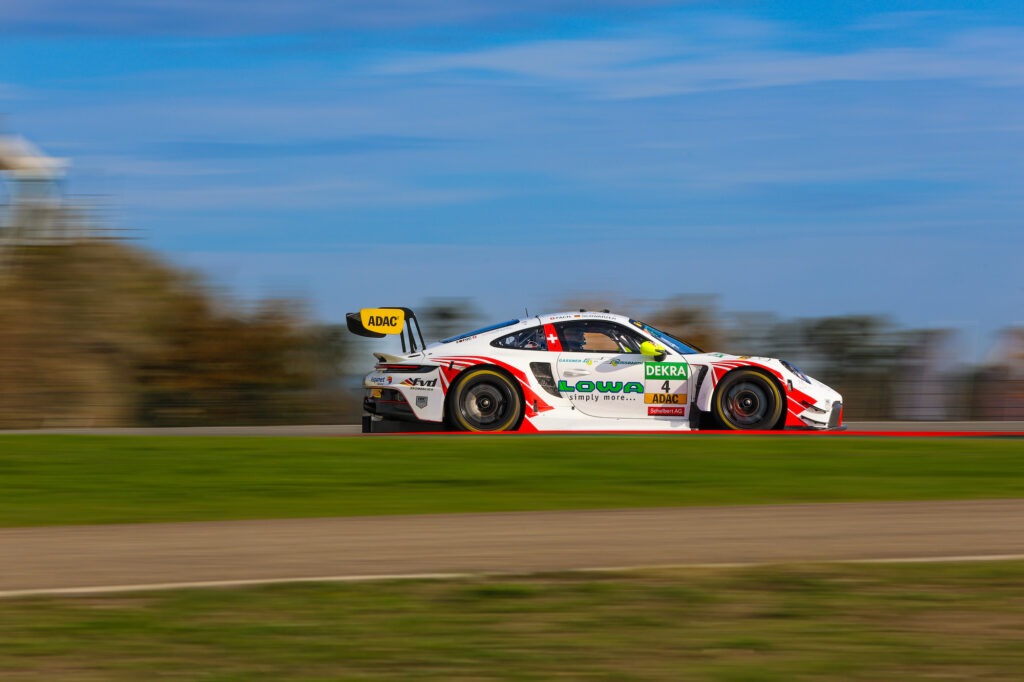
901	21
548	59
630	68
243	17
10	92
299	194
130	167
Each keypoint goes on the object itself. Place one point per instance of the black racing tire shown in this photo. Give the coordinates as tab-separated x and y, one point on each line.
485	399
747	400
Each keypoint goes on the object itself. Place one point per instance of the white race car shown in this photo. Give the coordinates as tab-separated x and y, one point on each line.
578	371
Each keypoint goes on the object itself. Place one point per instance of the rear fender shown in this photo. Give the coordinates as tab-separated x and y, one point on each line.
456	377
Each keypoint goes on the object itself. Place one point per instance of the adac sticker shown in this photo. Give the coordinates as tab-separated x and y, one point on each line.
665	398
382	320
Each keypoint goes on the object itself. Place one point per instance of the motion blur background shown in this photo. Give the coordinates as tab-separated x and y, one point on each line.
838	184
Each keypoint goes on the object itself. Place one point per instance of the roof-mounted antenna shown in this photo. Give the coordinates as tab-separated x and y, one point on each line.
526	309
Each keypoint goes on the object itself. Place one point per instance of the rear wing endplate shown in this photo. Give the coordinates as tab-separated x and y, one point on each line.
376	323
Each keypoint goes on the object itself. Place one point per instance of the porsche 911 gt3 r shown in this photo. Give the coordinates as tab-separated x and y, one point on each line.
585	371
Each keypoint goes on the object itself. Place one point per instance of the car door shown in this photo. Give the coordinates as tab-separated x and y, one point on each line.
600	368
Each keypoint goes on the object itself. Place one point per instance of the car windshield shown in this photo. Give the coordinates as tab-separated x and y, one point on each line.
672	342
490	328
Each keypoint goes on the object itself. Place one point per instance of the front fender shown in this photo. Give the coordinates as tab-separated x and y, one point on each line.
710	375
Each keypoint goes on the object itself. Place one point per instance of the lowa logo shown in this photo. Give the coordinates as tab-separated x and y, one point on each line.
601	387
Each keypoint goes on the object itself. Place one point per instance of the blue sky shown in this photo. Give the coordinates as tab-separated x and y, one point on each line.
800	158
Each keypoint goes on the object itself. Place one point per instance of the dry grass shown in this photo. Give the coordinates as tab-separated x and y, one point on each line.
781	623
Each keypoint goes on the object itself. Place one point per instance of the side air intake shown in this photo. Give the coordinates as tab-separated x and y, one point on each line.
542	372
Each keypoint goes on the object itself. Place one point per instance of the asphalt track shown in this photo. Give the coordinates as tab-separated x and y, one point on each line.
72	559
90	559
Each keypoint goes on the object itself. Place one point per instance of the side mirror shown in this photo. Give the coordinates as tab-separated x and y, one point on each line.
650	350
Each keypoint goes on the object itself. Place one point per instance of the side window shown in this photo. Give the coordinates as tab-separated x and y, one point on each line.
598	336
524	339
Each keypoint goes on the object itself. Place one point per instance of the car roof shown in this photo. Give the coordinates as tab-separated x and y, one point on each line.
582	315
502	328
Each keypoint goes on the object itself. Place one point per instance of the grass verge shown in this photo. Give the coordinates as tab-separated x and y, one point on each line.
47	480
835	622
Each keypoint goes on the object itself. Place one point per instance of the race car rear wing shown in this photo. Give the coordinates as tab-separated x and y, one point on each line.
376	323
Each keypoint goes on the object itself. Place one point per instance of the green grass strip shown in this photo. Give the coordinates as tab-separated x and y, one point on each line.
785	624
48	480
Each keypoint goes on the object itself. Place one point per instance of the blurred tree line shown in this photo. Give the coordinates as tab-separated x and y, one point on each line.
97	332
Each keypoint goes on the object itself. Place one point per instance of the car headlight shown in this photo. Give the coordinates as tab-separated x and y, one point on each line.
795	370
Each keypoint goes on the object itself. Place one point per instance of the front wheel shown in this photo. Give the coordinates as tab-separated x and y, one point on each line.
747	399
485	399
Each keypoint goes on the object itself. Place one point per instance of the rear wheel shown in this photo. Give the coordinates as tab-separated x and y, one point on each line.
747	399
485	399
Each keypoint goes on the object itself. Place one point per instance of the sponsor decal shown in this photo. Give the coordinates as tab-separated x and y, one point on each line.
417	383
666	370
382	320
616	362
379	380
665	398
421	401
586	386
666	411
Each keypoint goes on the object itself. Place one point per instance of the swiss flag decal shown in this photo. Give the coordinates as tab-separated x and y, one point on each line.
552	338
